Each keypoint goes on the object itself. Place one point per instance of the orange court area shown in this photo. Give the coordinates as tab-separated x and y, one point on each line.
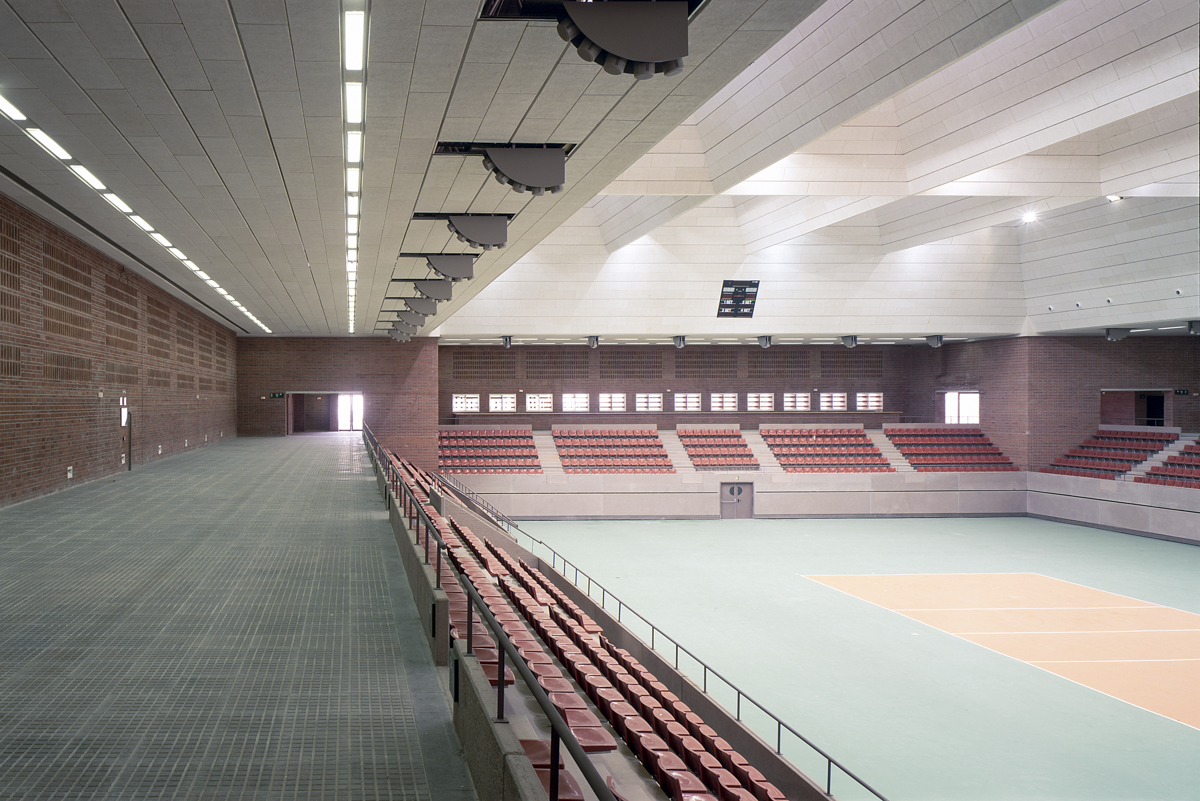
1142	653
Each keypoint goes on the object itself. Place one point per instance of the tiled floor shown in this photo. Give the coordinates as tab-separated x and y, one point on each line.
228	623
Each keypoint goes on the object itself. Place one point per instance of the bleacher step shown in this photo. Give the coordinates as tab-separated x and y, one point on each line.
889	451
675	451
547	452
767	463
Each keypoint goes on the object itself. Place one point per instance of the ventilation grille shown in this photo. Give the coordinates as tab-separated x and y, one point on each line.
61	367
851	364
10	361
206	384
630	364
185	381
185	340
776	363
120	375
706	364
158	329
541	364
66	294
158	378
10	287
8	238
483	366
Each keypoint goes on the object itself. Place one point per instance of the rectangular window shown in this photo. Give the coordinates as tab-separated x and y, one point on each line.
687	401
465	403
502	403
539	403
612	402
723	402
833	401
575	401
797	402
648	401
962	407
760	401
868	401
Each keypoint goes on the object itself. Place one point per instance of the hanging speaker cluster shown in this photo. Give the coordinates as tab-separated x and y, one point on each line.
532	169
452	267
479	231
638	39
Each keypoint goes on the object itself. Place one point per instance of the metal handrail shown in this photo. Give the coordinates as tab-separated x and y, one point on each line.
462	489
560	732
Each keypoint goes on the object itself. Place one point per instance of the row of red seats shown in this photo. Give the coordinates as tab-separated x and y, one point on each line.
467	452
606	442
958	458
455	433
724	461
615	433
717	448
1176	471
1160	436
968	468
511	462
1144	447
697	442
974	448
492	470
865	459
933	432
590	471
832	439
1185	458
619	461
855	469
775	433
868	448
1192	447
639	451
1071	471
708	432
1169	482
956	440
484	442
712	451
1103	453
1087	463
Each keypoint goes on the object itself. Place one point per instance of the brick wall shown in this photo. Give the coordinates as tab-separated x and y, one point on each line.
703	369
399	383
78	331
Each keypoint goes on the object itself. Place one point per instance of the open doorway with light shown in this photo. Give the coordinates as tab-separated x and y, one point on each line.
350	412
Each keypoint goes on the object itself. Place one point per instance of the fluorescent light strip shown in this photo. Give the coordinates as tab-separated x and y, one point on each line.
355	27
354	103
86	176
352	205
353	174
10	111
352	225
48	143
140	223
354	147
160	239
119	204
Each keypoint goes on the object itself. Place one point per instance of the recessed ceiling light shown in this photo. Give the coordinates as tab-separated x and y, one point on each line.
160	239
177	253
10	111
353	175
1139	330
355	27
354	147
120	205
1029	216
1172	328
354	102
1113	198
48	143
140	223
352	205
86	175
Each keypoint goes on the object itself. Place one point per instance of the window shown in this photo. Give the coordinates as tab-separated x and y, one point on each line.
465	403
723	402
612	402
760	401
687	401
797	402
833	401
962	407
575	401
502	403
869	401
648	401
539	403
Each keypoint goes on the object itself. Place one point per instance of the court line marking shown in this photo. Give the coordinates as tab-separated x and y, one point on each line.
813	578
1098	661
1085	631
1012	608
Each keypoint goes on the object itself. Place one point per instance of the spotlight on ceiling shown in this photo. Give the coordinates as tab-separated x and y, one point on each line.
638	39
850	341
506	342
593	342
1194	327
1029	216
934	341
534	168
435	288
479	231
423	306
679	341
1115	334
764	342
1112	198
453	266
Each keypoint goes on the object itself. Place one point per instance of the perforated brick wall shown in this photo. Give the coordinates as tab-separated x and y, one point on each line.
78	331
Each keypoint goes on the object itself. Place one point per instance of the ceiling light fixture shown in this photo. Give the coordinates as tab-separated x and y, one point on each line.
355	28
1029	216
1112	198
354	102
86	175
354	147
639	39
10	111
44	139
353	175
118	204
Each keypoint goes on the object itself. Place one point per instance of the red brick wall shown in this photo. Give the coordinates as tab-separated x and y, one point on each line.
1117	408
399	383
76	331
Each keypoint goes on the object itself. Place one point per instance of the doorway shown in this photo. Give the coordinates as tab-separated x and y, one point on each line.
737	501
1136	407
350	412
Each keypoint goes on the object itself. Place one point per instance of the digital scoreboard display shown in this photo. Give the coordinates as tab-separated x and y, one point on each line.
737	299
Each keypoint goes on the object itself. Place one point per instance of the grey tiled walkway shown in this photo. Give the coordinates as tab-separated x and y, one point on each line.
228	623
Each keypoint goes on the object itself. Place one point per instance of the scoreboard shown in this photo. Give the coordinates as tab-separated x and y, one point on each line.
737	299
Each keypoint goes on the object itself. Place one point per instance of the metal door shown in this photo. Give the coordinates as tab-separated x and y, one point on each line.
737	501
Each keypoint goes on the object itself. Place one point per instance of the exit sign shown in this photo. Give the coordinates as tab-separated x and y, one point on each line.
1181	392
276	394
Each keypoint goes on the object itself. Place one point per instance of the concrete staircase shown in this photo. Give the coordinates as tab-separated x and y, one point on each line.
1161	457
889	451
676	452
547	452
767	462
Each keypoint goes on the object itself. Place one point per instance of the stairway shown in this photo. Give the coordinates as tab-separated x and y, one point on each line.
676	452
889	451
767	462
1161	457
547	452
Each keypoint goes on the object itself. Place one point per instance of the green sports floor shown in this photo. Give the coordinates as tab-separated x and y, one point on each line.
918	713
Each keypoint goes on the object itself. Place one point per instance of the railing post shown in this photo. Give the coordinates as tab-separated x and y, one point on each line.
470	626
438	578
553	764
500	684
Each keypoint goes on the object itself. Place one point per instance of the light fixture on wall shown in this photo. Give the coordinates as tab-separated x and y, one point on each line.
934	341
536	169
764	342
638	39
484	231
679	341
505	342
593	342
1115	334
850	341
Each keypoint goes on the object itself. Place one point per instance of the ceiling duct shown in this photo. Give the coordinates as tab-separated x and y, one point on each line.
454	267
423	306
485	231
638	39
850	341
435	288
534	168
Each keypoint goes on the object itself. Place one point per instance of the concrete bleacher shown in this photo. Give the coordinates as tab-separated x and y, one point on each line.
487	450
1113	451
1179	468
716	447
611	450
824	449
948	448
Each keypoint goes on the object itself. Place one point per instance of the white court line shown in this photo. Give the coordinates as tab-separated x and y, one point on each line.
1011	608
1091	661
1090	631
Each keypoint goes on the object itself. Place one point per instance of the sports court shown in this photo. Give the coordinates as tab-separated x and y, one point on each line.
944	658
